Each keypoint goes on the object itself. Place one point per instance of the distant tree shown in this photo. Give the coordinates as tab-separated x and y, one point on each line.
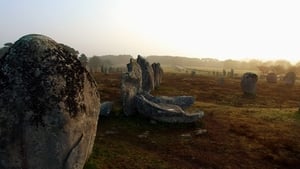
94	63
263	69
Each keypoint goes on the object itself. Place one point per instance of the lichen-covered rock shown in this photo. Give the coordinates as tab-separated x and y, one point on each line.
271	78
131	85
158	73
147	74
290	78
49	107
248	83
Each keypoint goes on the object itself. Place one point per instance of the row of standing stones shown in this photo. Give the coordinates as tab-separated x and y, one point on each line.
137	84
49	106
248	81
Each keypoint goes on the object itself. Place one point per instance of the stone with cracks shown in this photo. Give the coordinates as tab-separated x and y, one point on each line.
248	83
49	107
147	74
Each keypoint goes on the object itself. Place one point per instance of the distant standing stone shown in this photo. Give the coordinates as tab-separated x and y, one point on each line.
49	107
271	78
158	73
290	78
147	74
248	83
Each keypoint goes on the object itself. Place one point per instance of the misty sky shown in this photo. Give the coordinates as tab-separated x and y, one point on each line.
222	29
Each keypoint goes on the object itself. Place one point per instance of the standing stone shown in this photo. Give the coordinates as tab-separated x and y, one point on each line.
131	86
271	78
49	107
248	83
290	78
147	74
158	73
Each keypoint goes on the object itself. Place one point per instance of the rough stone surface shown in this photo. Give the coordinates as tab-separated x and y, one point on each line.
165	112
147	74
290	78
181	101
271	78
49	107
106	108
248	83
131	85
158	74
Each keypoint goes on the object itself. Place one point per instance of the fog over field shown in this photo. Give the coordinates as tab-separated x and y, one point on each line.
238	30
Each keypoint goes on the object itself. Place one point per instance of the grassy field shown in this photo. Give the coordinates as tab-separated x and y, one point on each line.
261	132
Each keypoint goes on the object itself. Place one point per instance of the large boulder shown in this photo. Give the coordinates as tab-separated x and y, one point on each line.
49	106
290	78
131	85
271	78
158	73
248	83
162	112
147	74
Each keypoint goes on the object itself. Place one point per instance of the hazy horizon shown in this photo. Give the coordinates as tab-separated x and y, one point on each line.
238	30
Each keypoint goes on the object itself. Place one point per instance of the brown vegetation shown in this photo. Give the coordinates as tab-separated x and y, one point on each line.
258	132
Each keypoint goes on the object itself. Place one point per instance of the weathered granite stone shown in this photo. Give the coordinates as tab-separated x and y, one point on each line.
248	83
181	101
290	78
49	107
158	73
106	108
165	112
271	78
147	74
131	85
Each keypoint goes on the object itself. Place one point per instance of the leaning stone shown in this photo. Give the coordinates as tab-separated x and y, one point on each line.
165	112
49	107
106	108
248	83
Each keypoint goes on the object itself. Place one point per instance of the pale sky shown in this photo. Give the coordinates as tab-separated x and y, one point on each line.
222	29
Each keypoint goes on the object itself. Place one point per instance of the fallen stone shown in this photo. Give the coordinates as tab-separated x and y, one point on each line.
181	101
49	106
165	112
200	132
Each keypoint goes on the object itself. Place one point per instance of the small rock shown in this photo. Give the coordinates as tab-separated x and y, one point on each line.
186	135
106	108
110	132
144	135
200	132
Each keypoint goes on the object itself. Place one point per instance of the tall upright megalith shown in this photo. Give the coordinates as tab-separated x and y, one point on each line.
147	74
248	83
49	106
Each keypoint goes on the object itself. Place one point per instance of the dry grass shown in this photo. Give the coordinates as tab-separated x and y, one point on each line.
260	132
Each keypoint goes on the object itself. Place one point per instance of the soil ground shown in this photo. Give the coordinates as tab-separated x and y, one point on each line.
260	132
